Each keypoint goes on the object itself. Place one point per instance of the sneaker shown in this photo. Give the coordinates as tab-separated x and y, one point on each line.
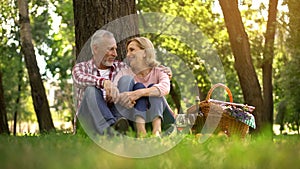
121	125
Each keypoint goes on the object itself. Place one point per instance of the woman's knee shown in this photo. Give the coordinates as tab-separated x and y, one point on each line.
156	100
125	83
138	86
156	105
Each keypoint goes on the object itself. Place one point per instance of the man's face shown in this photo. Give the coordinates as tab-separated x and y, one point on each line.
105	53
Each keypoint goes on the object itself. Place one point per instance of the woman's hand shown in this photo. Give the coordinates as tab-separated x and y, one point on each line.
128	99
125	101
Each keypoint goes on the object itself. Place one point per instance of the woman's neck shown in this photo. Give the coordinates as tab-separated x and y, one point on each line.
144	72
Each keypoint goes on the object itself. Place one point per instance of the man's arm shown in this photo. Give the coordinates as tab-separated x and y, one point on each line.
112	92
83	78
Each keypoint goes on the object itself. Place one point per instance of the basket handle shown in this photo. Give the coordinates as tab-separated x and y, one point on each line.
219	85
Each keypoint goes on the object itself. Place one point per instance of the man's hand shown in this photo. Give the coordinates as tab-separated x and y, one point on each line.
127	99
112	92
124	100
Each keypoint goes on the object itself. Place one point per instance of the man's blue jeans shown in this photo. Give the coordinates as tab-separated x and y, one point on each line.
94	113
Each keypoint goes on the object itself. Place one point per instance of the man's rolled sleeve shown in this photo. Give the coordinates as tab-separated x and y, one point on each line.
100	83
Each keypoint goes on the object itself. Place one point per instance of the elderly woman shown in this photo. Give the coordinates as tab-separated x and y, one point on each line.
150	85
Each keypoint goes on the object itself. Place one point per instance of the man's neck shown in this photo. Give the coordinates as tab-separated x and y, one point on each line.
99	65
103	67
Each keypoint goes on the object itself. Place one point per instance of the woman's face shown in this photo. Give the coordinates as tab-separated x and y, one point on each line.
135	56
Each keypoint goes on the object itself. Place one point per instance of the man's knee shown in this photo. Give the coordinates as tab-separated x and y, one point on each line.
92	92
90	89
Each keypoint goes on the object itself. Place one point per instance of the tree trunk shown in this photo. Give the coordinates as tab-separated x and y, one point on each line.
3	117
91	15
20	77
243	62
268	61
38	94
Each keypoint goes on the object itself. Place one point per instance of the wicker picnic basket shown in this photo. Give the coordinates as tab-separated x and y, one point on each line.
211	113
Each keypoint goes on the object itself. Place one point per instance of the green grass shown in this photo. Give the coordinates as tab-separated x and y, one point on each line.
62	151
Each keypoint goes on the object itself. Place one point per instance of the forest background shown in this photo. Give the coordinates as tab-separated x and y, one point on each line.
53	38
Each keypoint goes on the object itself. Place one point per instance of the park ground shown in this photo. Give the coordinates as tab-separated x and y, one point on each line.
59	150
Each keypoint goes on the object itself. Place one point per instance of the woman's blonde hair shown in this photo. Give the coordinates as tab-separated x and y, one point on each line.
146	44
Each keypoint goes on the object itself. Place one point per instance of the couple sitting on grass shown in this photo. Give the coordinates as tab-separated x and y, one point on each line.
113	96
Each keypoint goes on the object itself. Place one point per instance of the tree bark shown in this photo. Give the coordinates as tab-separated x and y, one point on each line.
267	66
20	77
91	15
3	117
38	94
243	62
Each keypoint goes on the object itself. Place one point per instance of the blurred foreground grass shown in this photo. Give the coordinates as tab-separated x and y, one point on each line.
62	151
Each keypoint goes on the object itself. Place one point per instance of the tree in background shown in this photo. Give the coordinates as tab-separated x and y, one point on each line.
3	117
39	98
93	15
201	26
17	97
200	13
290	77
267	65
243	62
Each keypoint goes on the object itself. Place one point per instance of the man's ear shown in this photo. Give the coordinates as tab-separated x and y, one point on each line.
95	47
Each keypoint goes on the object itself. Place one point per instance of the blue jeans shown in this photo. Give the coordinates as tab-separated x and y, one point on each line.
94	113
146	107
96	116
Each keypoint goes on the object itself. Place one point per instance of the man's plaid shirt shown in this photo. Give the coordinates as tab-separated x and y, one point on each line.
87	74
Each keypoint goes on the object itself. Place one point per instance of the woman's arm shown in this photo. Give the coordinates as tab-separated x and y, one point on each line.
128	99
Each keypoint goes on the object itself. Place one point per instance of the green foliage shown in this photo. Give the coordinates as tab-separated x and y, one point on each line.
55	47
212	26
62	57
53	33
177	45
213	41
15	80
289	77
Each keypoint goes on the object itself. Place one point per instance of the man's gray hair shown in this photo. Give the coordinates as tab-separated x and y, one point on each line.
98	37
